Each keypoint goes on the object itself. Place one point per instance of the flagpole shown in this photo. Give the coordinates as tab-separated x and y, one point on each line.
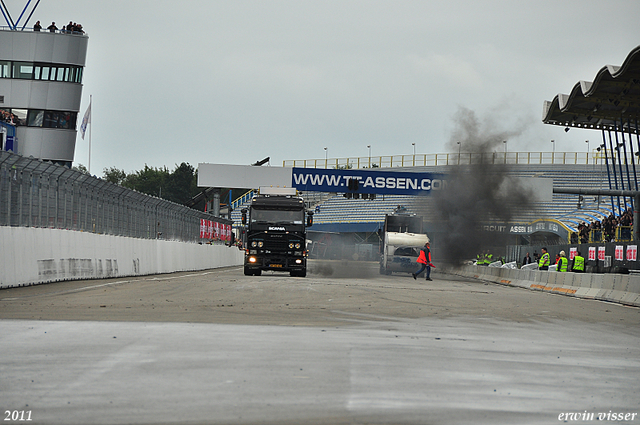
90	125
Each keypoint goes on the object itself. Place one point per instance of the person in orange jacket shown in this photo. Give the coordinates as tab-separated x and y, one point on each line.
425	261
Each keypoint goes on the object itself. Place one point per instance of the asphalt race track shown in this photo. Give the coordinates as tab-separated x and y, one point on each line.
344	345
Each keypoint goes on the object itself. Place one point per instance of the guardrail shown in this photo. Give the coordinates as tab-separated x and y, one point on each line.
462	158
241	200
617	288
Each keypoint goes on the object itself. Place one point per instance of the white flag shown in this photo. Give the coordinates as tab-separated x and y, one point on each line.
86	120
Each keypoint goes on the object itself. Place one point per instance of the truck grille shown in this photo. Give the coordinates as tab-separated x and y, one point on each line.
276	244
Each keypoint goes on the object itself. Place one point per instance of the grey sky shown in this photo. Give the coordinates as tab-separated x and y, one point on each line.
236	81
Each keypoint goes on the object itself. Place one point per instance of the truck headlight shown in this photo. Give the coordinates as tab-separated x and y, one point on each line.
290	245
298	261
260	244
254	244
298	245
252	259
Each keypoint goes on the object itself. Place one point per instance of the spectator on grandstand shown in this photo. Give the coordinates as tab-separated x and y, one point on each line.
37	26
583	232
52	27
627	218
609	224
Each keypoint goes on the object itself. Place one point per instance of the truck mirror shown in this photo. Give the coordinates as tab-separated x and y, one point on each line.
309	218
244	216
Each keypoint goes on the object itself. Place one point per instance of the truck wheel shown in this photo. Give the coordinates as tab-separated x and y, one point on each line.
300	273
257	272
247	272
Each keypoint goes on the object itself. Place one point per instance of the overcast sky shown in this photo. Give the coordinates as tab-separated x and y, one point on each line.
236	81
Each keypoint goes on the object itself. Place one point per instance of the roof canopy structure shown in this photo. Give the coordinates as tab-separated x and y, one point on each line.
610	102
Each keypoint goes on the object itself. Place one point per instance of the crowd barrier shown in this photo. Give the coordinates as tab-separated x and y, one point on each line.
39	255
619	288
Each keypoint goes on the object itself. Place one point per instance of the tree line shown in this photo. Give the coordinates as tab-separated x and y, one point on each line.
179	185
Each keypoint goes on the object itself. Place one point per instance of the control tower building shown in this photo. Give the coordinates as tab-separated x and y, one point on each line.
40	91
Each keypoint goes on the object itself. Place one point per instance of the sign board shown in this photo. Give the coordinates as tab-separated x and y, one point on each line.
632	252
592	253
242	176
370	181
619	253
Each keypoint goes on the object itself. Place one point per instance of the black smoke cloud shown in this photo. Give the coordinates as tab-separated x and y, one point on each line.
479	192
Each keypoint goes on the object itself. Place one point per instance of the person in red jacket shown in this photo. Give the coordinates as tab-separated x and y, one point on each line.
425	261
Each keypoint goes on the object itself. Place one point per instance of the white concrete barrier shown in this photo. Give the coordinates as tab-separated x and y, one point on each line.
623	289
33	255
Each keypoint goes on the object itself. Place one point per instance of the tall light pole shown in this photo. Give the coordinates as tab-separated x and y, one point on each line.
369	147
459	147
414	153
554	151
326	158
588	151
505	151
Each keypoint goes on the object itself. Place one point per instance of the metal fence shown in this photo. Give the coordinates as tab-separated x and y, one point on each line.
462	158
35	193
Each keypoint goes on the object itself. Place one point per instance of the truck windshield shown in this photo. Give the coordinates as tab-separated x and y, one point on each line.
277	216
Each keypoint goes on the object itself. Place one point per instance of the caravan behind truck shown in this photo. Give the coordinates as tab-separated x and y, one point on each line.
402	237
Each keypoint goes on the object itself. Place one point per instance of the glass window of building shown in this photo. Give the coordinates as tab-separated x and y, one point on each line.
20	116
23	70
4	69
45	72
50	119
35	118
5	115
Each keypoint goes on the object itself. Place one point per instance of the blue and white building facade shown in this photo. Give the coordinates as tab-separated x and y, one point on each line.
40	92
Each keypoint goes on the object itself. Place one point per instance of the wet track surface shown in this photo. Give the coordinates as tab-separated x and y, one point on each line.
344	345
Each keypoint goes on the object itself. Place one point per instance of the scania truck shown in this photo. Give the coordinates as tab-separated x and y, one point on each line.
276	236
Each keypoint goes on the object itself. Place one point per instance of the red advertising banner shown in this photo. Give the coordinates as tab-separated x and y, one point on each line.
619	252
572	253
210	229
592	253
601	252
632	252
